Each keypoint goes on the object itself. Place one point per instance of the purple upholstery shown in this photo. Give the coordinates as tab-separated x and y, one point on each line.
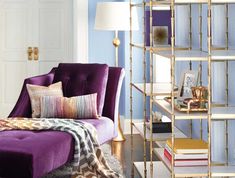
104	127
113	91
23	106
81	79
25	154
33	154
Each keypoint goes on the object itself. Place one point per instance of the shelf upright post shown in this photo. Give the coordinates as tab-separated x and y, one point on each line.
190	33
227	21
190	48
209	40
200	41
200	64
145	81
227	94
190	26
151	87
131	90
172	82
200	28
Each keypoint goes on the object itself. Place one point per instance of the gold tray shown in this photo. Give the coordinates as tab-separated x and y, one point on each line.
182	107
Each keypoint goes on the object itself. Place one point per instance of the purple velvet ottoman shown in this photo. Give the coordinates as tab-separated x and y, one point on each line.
26	154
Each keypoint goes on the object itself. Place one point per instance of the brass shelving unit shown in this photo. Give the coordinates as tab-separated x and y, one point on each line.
164	168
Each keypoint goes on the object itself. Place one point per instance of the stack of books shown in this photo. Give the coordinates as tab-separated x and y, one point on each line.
187	152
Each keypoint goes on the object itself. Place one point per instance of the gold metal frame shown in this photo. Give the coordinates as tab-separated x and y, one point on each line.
144	96
209	40
120	136
226	81
173	48
131	108
151	87
190	33
172	83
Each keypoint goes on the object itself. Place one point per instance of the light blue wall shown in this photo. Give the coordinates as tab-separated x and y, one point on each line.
101	49
218	79
137	70
218	83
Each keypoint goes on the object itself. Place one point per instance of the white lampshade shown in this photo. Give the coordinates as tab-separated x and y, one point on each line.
115	16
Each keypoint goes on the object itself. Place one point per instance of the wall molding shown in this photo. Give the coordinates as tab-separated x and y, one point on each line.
126	125
80	31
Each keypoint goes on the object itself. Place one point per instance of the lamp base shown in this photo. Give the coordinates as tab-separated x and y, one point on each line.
120	137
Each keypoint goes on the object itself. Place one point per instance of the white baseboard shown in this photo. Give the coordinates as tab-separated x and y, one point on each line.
126	125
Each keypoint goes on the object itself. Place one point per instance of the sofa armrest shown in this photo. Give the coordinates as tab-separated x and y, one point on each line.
22	107
112	96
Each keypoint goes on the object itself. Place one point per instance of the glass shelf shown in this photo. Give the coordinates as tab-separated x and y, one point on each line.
185	55
159	170
197	55
195	171
218	113
167	2
163	89
157	136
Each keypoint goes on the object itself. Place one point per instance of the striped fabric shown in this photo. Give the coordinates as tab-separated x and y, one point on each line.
88	161
78	107
36	92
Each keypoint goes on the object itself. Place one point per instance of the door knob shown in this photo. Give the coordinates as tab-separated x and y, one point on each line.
30	53
36	53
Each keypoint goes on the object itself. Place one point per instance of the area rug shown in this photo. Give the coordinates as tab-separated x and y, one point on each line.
65	171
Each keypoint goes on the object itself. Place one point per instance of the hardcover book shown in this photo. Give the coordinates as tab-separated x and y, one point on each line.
186	162
186	156
188	145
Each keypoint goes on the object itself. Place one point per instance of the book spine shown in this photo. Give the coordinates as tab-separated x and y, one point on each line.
167	155
184	146
186	162
168	149
191	163
187	156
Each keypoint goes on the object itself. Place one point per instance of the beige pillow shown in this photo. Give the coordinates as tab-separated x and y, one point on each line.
36	92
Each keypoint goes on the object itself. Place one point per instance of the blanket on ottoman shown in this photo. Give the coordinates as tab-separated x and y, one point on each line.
88	159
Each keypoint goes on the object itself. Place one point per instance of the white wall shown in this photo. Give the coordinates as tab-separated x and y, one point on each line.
80	21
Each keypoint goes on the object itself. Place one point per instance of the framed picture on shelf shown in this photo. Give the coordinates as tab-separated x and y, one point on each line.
188	80
160	35
161	21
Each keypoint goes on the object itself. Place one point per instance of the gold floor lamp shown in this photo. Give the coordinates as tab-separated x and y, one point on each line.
115	16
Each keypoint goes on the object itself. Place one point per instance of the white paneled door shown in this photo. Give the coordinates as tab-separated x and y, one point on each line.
42	27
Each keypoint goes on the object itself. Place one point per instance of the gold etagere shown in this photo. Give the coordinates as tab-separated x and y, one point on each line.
216	112
143	48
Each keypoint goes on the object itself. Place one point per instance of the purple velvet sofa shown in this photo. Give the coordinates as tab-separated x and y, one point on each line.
31	154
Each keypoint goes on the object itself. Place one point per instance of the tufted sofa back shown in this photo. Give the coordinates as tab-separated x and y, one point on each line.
79	79
82	79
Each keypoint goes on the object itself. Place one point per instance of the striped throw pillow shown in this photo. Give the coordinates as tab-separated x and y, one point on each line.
36	92
77	107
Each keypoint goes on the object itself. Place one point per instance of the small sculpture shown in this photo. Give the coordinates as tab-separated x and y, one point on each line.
199	99
157	117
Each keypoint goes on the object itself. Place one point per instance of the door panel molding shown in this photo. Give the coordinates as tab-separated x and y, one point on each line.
14	33
80	31
25	25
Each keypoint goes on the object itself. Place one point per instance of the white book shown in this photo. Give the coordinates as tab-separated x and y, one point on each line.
187	156
192	163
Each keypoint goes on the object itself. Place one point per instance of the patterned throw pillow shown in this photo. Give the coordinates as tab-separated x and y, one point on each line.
36	92
77	107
